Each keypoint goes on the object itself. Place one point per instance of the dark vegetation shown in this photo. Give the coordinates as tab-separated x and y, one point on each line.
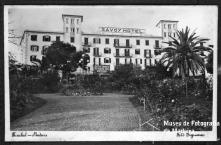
25	80
171	90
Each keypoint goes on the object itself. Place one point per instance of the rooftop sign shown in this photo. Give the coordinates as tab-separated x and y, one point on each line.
122	30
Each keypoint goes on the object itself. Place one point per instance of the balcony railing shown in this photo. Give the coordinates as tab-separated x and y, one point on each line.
157	46
123	55
148	56
96	55
122	45
87	44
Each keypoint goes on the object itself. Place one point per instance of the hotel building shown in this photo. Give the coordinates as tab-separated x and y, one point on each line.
108	48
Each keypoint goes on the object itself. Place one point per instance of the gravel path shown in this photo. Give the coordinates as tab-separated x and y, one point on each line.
110	112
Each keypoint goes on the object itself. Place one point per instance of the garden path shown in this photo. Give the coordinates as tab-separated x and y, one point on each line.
110	112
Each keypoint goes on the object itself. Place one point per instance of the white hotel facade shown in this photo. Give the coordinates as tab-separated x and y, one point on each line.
107	49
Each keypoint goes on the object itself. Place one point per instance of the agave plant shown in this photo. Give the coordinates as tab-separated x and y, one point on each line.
185	53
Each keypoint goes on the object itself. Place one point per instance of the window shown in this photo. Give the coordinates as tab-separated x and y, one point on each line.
130	61
33	37
66	20
140	61
174	34
107	60
44	50
147	42
33	57
72	39
96	51
169	34
169	26
136	61
107	41
77	21
77	30
127	42
164	25
34	48
147	53
107	50
127	52
138	42
97	40
116	42
117	61
137	51
157	43
94	60
46	38
85	40
66	29
174	25
57	38
72	21
125	61
86	49
99	61
117	52
72	30
165	34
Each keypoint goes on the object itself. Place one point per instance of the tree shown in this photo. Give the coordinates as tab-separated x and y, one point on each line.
63	56
159	71
59	53
209	65
185	54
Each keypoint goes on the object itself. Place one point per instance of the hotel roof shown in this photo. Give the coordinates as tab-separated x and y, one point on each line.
165	21
67	15
39	31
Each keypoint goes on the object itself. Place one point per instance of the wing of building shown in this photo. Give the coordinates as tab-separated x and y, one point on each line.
108	48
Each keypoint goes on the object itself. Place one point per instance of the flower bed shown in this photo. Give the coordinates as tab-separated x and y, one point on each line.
166	100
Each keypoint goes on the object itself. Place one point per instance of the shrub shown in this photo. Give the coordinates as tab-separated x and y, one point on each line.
166	101
50	81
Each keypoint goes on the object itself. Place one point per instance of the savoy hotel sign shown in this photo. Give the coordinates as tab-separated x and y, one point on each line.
122	30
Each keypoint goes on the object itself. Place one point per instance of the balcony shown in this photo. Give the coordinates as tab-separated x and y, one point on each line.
96	55
123	55
122	45
157	46
87	44
148	56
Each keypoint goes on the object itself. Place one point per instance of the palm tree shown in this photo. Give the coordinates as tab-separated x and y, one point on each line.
185	54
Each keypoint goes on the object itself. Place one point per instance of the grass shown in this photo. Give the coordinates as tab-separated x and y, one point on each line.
110	112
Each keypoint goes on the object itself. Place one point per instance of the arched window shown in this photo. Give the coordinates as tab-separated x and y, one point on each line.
34	48
46	38
44	50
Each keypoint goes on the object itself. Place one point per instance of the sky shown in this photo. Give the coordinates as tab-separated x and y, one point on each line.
201	19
